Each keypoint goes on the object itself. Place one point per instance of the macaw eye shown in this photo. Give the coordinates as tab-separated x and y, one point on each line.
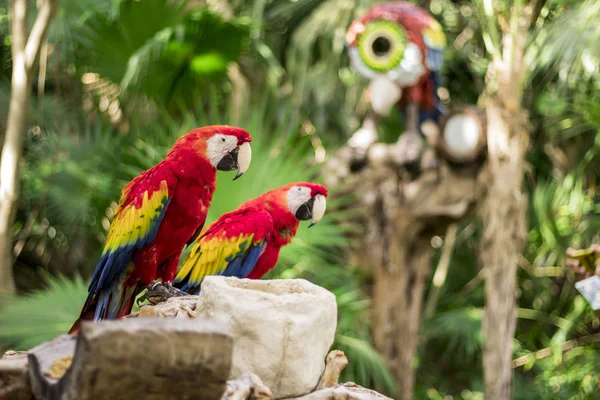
382	45
223	140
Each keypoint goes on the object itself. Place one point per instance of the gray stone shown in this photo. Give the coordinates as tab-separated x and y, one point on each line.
14	380
282	329
347	391
149	358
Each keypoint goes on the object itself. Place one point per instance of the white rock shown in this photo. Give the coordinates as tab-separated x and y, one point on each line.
282	329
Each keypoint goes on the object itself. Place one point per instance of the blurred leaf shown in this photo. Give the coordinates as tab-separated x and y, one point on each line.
30	320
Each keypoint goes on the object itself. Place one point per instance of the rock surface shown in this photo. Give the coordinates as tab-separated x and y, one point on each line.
174	307
14	381
347	391
136	358
247	387
282	329
250	387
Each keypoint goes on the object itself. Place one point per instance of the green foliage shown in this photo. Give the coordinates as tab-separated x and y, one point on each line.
569	47
566	214
30	320
169	56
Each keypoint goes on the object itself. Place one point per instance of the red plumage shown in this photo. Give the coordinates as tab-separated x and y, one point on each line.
159	211
249	238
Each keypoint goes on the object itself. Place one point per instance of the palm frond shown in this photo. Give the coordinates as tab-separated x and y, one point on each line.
460	329
568	44
30	320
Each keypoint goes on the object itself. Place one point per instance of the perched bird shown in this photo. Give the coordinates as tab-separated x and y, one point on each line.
399	47
160	211
245	243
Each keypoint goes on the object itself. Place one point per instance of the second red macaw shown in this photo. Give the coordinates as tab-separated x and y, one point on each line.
160	211
245	243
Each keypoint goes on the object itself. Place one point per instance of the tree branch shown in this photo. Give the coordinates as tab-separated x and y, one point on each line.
18	26
568	345
39	31
439	278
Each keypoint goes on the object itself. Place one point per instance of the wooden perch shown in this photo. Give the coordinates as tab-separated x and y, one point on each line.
150	358
336	362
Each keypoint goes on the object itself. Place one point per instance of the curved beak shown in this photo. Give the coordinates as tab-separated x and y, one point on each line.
239	158
318	209
313	209
244	158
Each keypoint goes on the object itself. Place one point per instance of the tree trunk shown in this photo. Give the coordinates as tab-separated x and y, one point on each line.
505	206
401	216
25	50
503	214
397	297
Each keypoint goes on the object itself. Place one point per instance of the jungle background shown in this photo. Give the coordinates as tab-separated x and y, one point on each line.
119	80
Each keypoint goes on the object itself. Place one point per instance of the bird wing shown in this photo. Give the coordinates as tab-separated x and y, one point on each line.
141	209
435	42
231	246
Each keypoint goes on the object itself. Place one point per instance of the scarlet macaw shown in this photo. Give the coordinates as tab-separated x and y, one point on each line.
160	211
245	243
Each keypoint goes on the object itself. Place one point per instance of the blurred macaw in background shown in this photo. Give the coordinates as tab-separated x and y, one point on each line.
160	211
245	243
399	47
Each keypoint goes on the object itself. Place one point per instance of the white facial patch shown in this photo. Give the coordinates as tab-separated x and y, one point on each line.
218	146
297	196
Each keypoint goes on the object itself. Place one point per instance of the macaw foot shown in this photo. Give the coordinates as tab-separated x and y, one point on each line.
159	292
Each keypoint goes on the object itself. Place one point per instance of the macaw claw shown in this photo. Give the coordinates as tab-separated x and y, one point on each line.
159	292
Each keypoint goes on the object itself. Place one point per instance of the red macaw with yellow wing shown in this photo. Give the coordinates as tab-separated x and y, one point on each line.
160	211
245	243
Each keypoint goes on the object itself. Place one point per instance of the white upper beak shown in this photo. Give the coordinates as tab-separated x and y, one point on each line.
318	209
244	158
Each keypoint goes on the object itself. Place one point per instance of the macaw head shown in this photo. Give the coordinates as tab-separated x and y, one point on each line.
226	148
306	201
391	45
302	200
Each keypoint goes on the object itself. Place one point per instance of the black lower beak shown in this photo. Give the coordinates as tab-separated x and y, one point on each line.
229	162
304	212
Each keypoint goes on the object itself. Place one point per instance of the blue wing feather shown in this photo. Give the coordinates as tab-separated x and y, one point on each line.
251	258
112	264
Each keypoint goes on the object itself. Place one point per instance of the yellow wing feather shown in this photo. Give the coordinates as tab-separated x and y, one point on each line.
133	223
210	256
